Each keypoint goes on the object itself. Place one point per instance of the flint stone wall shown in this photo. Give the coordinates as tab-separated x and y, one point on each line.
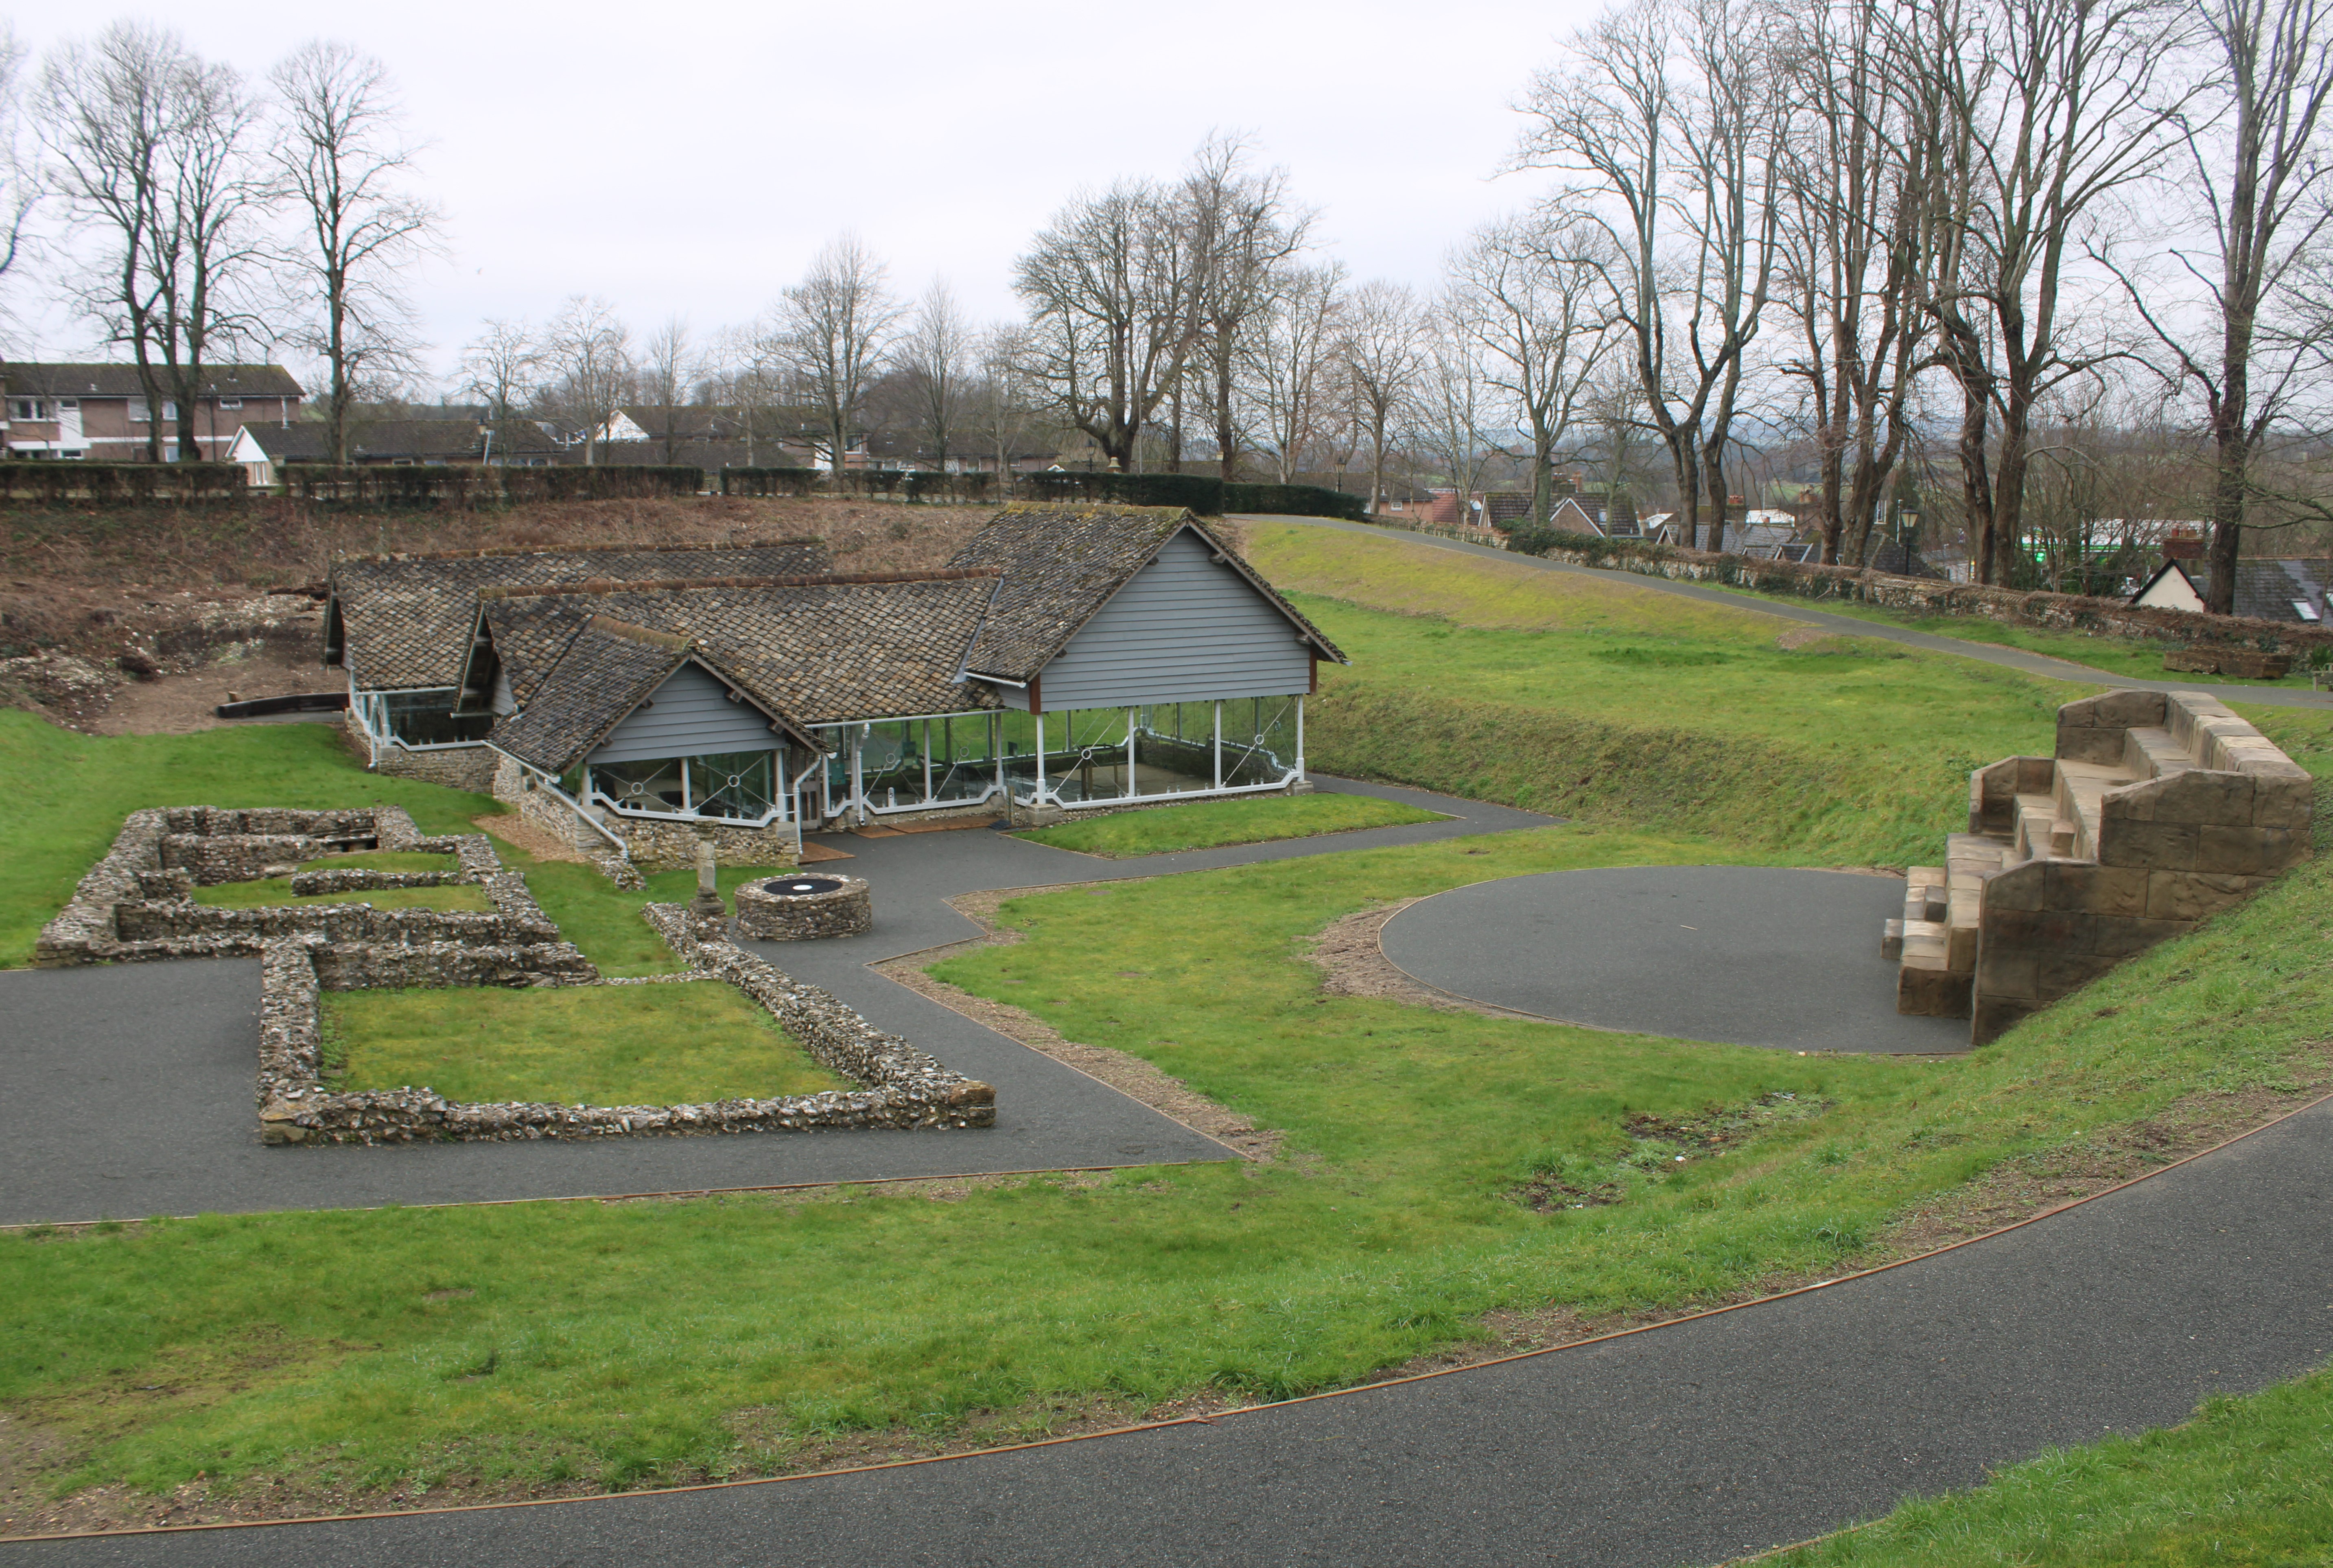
841	912
359	879
1931	596
905	1088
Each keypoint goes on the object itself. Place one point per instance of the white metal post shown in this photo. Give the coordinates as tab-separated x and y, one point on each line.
1299	736
857	774
1219	743
1039	799
1128	790
928	759
996	752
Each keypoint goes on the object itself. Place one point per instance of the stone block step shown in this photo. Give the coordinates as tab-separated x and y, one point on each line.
2041	833
2153	753
1927	991
1891	940
2079	791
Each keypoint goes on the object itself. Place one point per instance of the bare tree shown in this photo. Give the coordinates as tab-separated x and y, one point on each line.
668	370
502	367
1672	114
589	352
836	325
1447	410
1384	353
150	146
935	352
1855	225
1244	231
2044	109
1288	360
20	172
1112	285
2259	171
1000	403
1533	300
338	154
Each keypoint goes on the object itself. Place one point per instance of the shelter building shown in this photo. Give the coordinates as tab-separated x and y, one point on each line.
1069	658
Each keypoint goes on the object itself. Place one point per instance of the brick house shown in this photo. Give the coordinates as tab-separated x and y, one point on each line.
101	413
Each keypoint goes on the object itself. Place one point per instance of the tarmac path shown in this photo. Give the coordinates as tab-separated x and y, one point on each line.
1847	625
126	1089
1689	1443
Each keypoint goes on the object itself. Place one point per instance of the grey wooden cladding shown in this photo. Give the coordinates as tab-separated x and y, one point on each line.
1185	629
691	714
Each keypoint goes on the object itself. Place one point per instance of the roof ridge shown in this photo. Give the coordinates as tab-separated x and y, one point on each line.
504	551
671	642
820	580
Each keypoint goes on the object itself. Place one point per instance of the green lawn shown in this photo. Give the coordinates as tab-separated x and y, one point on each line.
633	1342
2248	1481
67	794
1610	702
587	1044
1205	825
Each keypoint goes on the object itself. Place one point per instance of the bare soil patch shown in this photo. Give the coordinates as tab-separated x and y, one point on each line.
1353	962
540	842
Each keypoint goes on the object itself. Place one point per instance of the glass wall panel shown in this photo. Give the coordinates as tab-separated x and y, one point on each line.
641	786
1258	740
426	718
738	785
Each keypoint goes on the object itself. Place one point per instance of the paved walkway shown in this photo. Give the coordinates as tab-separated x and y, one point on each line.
1778	957
1684	1444
127	1087
1985	652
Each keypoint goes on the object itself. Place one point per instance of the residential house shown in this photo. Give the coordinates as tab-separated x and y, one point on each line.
2290	590
101	414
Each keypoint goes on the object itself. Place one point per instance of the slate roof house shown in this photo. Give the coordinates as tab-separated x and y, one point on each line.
1067	659
2290	590
101	414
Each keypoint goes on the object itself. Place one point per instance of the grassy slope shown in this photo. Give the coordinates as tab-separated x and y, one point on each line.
325	1340
1620	703
593	1046
67	794
1205	824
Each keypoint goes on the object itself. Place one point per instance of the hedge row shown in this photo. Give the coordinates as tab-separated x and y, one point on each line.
916	484
471	484
1207	496
120	484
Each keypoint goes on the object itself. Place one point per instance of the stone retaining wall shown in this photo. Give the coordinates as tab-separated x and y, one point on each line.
1931	596
361	880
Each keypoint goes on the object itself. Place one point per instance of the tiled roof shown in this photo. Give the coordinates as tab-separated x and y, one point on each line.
815	650
1063	564
68	381
605	670
405	621
311	441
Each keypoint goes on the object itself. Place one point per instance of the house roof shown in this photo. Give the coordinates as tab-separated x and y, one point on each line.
1061	564
2273	588
311	441
817	650
68	381
607	668
401	622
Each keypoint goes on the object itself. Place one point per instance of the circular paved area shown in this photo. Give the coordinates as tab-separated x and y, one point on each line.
1739	955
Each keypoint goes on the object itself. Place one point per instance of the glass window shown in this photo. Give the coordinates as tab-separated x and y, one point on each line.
426	718
641	786
230	402
139	412
736	784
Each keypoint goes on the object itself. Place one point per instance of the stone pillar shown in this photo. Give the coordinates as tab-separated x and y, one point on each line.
707	909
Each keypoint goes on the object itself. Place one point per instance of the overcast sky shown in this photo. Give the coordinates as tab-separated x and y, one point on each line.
689	159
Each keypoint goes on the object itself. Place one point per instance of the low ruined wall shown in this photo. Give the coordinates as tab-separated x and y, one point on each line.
905	1088
465	767
1931	596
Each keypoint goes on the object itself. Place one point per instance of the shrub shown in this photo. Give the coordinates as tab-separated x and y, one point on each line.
120	484
768	481
1208	497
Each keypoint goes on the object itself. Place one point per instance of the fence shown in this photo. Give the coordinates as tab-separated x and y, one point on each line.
472	485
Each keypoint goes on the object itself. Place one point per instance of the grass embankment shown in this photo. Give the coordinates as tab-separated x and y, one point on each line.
467	1348
353	1344
2248	1481
593	1045
1611	702
1208	825
67	794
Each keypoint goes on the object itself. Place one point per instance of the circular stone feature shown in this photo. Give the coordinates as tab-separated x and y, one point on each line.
795	908
782	887
1735	954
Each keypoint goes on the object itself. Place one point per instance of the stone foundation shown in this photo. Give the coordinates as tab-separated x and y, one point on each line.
654	846
843	911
